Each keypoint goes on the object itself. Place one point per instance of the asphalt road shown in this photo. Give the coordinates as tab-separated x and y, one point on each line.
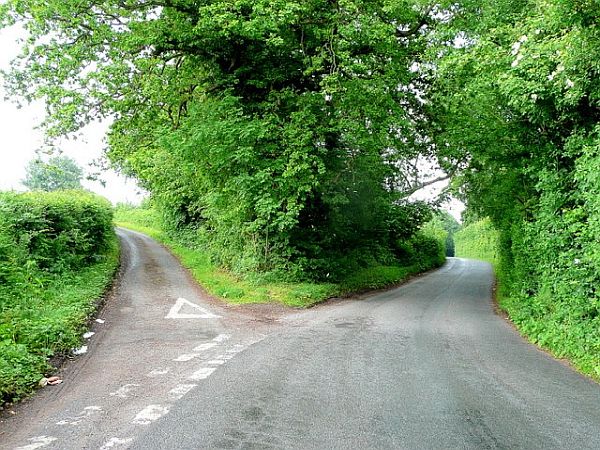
425	366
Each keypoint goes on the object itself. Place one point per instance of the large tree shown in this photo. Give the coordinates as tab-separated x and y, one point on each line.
58	173
282	129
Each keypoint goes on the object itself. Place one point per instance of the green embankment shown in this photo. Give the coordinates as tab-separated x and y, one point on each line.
426	251
550	305
58	255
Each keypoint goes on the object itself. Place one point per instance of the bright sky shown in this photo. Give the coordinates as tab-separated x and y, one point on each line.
20	139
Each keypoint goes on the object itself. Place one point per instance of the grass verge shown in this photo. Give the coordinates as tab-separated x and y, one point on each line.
47	319
235	290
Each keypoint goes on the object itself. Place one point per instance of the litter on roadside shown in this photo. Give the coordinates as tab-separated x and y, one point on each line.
80	350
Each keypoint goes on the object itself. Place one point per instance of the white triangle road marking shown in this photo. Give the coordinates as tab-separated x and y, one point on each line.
175	313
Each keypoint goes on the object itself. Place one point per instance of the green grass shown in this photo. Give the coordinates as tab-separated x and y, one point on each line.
48	320
236	290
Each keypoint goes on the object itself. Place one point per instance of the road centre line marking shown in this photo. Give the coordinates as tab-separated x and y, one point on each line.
37	442
180	390
202	374
158	372
124	391
186	357
150	413
206	346
113	442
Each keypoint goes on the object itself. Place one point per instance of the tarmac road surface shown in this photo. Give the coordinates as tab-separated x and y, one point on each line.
428	365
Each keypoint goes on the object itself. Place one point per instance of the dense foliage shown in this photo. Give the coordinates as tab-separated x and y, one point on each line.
478	240
280	130
519	104
57	255
285	134
58	173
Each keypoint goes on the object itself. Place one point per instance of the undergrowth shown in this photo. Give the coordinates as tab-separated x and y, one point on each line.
58	254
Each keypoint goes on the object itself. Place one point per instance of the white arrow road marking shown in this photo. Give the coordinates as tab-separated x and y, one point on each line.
38	442
175	313
113	442
150	413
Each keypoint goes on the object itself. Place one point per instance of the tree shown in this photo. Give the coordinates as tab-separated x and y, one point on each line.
279	129
60	172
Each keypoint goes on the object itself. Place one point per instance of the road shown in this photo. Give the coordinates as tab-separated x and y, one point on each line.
428	365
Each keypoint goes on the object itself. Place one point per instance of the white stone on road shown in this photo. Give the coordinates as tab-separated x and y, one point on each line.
175	311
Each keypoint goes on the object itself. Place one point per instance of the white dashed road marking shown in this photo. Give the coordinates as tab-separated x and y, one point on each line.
222	338
150	413
203	347
180	390
216	362
38	442
115	442
158	372
186	357
202	374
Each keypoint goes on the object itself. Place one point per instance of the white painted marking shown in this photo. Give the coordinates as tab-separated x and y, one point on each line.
113	442
87	412
81	350
37	442
175	313
203	347
180	390
202	374
158	372
123	391
88	335
186	357
216	362
222	338
100	320
234	350
150	413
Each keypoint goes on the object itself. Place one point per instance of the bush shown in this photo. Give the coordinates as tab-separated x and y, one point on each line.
58	252
55	231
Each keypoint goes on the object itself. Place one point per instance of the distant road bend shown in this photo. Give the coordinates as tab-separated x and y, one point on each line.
424	366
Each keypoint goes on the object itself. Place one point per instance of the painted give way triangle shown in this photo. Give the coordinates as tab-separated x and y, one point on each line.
184	309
